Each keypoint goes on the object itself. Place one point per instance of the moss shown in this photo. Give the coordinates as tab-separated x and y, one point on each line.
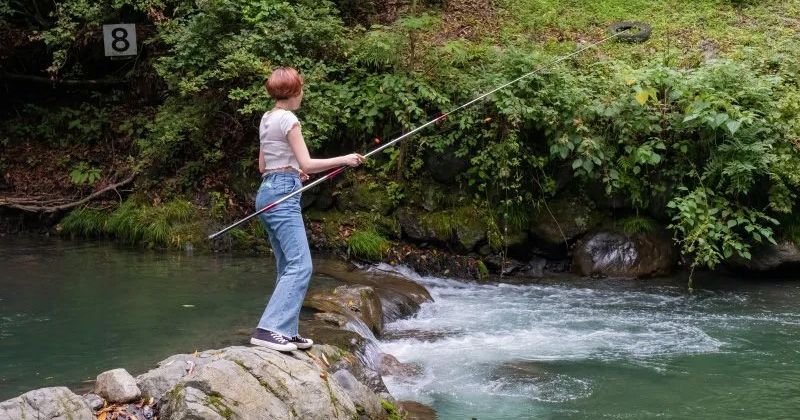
483	272
175	392
217	403
392	411
367	244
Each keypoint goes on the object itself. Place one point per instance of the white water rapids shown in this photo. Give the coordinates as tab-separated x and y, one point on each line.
545	350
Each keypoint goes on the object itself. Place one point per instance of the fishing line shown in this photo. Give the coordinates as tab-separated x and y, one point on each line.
439	118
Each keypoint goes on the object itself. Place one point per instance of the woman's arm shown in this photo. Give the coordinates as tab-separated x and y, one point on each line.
312	166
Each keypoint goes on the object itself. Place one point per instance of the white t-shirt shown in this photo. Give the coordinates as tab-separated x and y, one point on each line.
272	131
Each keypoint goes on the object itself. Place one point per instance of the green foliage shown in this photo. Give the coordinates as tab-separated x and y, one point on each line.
62	126
166	224
710	228
391	410
635	225
82	174
85	222
367	244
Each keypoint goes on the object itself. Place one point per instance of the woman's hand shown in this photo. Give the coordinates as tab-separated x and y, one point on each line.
353	159
303	175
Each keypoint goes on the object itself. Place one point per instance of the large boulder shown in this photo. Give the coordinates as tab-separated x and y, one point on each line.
462	227
770	258
157	382
619	255
256	383
366	401
399	296
117	386
558	223
57	403
358	303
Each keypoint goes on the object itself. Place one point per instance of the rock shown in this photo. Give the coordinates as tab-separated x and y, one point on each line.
363	195
117	386
506	266
445	166
399	296
416	411
422	228
157	382
785	255
322	332
390	366
56	403
358	303
94	401
365	401
257	383
563	219
534	268
619	255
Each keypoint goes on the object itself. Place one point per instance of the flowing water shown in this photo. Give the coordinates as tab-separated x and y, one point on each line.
604	349
560	348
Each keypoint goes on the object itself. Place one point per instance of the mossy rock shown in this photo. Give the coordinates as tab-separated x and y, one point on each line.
562	220
364	195
462	227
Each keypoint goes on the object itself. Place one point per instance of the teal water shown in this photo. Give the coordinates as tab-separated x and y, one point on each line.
557	349
591	349
69	311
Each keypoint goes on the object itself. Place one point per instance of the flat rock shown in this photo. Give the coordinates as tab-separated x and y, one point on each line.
56	403
117	386
359	303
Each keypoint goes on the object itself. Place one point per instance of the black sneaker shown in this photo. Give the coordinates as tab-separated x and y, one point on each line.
271	340
300	342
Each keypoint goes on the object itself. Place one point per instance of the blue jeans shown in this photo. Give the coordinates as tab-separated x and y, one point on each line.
287	235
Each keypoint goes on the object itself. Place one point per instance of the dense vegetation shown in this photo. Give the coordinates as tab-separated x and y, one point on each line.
698	127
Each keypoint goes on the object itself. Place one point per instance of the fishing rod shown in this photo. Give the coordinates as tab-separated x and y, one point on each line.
439	118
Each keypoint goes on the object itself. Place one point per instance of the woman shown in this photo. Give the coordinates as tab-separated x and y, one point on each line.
284	161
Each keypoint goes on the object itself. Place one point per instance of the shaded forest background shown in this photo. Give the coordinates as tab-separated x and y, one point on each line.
696	130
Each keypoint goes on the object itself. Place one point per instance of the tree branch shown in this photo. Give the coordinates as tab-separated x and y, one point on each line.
26	205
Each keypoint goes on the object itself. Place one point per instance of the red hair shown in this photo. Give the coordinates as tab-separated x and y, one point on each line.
284	83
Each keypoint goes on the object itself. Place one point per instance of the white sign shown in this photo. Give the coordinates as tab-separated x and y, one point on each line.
119	40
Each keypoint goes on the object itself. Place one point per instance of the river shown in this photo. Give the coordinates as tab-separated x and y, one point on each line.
558	348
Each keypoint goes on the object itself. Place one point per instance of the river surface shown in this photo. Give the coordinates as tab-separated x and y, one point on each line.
591	349
560	348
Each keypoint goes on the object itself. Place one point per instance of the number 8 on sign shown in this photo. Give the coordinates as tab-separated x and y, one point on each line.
119	40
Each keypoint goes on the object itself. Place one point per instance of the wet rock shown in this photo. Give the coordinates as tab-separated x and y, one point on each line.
416	411
534	268
390	366
366	402
399	296
520	370
56	403
359	303
770	258
322	332
470	232
117	386
94	401
619	255
257	383
419	335
505	266
334	320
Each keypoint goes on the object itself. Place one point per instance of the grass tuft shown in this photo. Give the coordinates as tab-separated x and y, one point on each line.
367	244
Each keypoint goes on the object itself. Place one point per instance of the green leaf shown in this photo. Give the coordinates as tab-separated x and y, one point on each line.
577	163
731	223
733	126
720	118
642	96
